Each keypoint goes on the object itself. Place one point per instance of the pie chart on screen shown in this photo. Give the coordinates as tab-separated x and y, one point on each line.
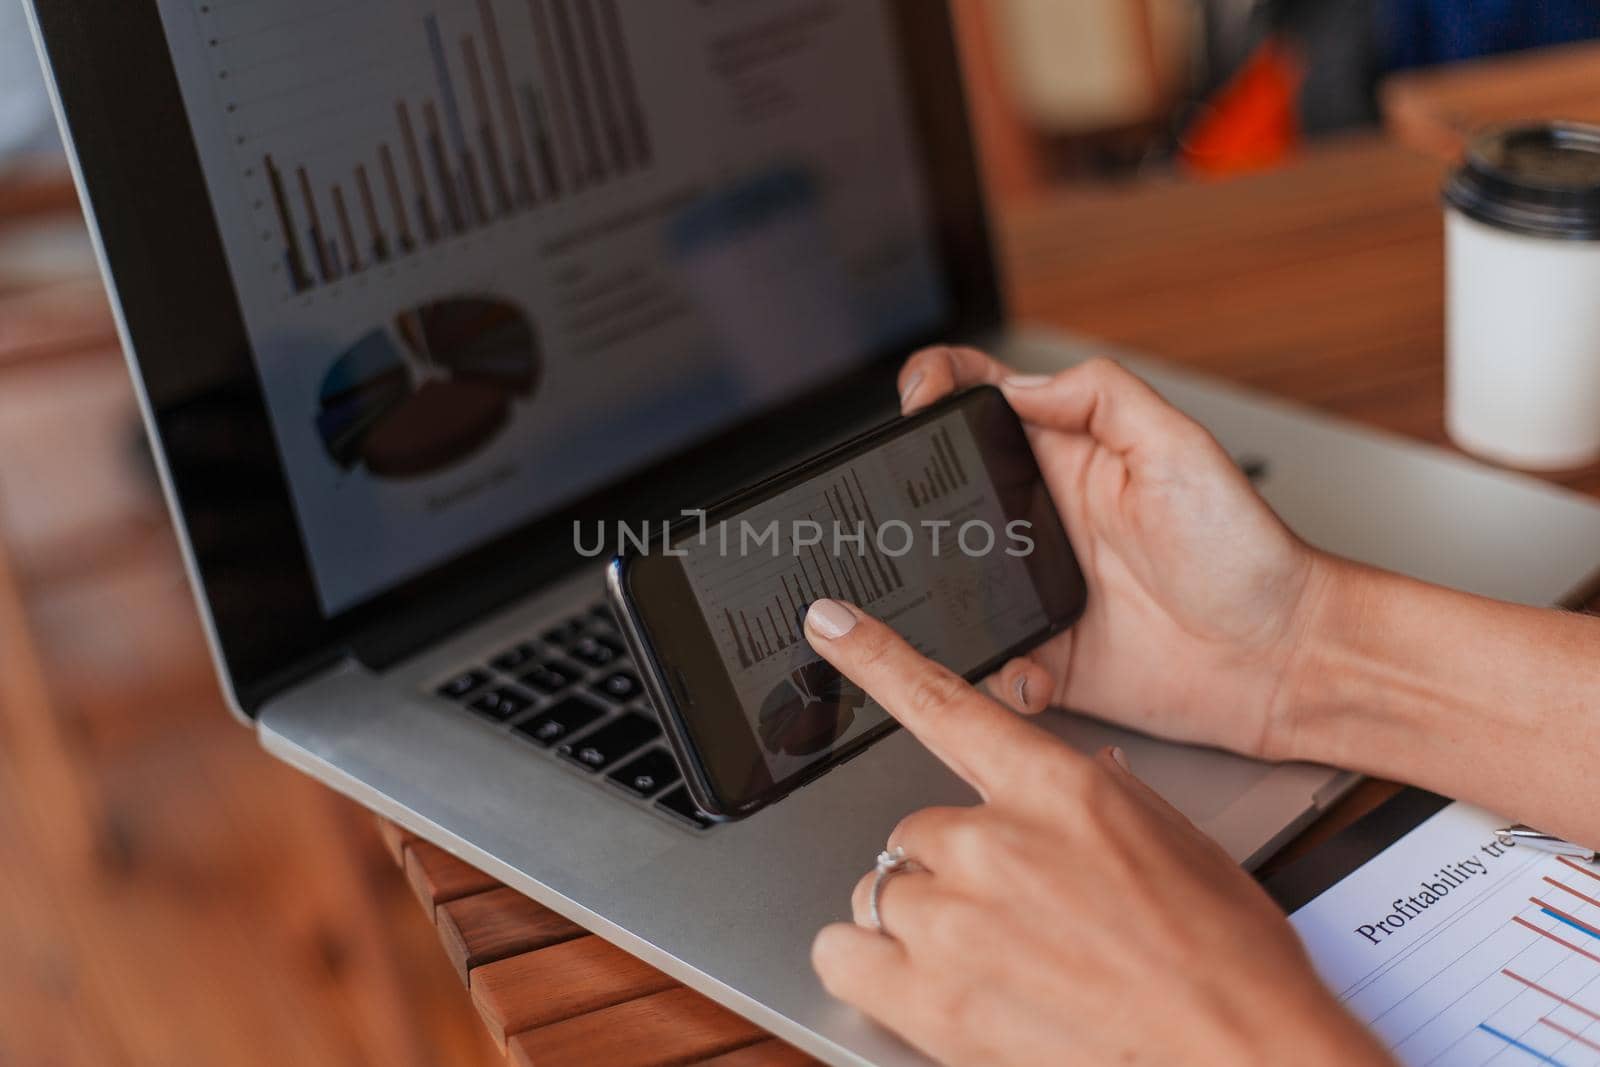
808	710
430	389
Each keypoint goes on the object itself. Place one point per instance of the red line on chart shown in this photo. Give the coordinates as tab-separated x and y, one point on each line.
1579	868
1573	1034
1566	916
1558	940
1581	896
1552	994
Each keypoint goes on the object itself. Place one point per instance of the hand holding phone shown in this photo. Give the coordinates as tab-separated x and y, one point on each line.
939	524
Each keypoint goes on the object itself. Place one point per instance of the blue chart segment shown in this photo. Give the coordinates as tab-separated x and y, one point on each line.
1503	966
494	115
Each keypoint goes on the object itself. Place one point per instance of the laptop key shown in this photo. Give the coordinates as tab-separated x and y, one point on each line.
680	803
620	686
559	721
595	651
648	774
515	658
566	632
551	676
611	742
501	703
463	683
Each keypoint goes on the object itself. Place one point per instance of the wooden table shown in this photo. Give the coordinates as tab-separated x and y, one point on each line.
167	895
1439	109
1321	283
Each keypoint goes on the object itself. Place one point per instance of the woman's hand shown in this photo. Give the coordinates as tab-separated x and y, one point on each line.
1073	917
1199	597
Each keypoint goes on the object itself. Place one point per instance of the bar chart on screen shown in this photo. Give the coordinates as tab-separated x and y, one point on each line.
369	132
1458	950
763	593
936	474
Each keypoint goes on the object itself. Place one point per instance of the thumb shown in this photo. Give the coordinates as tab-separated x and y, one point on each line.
1102	400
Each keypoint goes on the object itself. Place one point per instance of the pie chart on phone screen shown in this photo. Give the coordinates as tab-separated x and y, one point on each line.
430	389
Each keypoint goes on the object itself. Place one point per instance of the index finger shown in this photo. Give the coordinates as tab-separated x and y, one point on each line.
972	735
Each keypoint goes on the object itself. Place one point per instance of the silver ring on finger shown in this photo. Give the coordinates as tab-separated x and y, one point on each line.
891	861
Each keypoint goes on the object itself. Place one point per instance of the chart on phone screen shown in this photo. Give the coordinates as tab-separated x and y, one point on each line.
1456	949
939	569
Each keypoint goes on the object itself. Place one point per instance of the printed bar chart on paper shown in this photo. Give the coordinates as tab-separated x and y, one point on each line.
1456	949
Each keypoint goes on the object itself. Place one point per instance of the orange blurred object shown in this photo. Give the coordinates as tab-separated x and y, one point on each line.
1253	122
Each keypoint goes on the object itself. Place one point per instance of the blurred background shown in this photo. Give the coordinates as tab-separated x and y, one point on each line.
1114	89
168	894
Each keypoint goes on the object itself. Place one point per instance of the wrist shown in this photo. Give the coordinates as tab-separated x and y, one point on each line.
1341	615
1452	692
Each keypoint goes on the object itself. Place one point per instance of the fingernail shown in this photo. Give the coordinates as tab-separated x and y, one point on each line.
830	618
1121	758
1021	688
1026	381
911	388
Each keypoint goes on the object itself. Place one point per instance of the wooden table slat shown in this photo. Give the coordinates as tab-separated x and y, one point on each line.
437	877
676	1026
395	840
536	989
485	927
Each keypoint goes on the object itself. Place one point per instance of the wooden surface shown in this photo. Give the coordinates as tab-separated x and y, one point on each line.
168	894
1439	109
1322	283
549	992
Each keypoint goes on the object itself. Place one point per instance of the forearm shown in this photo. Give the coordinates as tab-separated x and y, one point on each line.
1484	701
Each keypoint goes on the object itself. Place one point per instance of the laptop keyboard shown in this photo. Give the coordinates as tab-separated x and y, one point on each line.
572	693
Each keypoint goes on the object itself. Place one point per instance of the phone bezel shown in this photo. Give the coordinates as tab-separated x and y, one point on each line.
696	639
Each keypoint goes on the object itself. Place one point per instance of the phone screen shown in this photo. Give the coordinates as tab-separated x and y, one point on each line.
940	526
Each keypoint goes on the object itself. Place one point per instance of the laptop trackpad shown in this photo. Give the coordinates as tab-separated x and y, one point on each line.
1200	782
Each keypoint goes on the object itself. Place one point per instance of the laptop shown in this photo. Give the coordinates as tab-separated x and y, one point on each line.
407	293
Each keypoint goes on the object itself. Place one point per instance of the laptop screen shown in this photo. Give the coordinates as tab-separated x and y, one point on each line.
492	256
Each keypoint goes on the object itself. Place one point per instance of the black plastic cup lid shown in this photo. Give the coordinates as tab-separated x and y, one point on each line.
1541	179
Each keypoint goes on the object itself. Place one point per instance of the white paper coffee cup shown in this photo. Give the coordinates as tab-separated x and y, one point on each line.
1522	234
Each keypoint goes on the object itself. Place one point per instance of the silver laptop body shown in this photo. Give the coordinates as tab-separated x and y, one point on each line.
731	910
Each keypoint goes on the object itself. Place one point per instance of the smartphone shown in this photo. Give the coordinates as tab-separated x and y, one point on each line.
940	524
